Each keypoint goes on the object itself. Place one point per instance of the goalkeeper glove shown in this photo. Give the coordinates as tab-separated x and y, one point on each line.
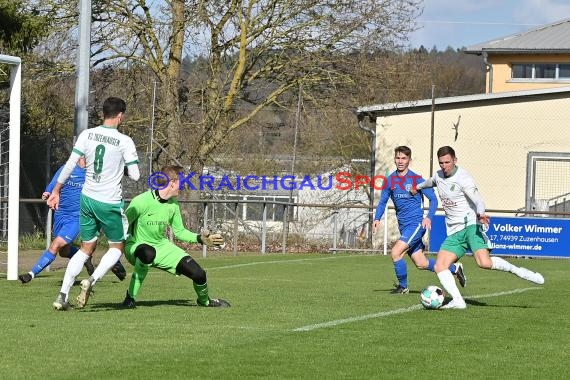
211	239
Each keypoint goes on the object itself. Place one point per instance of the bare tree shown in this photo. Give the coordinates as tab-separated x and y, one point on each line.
247	55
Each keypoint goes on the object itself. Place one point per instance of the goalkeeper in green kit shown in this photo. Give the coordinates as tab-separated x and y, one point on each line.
149	214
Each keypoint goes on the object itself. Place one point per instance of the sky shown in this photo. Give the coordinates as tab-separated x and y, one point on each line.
459	23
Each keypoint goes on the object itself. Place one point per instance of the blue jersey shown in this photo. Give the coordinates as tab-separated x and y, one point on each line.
409	209
70	192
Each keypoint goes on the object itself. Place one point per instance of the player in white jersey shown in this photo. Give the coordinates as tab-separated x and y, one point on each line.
106	151
465	219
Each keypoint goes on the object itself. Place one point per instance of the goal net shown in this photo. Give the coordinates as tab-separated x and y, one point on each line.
10	166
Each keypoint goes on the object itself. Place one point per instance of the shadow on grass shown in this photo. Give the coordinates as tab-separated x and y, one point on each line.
396	294
97	307
484	304
78	282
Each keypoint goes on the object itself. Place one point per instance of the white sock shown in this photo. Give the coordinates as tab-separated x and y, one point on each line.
502	265
448	282
74	267
109	259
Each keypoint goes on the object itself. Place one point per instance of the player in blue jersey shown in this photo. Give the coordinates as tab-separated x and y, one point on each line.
65	222
411	221
66	225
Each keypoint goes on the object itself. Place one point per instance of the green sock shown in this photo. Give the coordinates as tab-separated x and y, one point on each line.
202	292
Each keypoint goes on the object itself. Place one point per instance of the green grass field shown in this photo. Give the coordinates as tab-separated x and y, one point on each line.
317	316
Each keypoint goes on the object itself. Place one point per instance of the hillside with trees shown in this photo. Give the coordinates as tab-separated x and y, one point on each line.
227	83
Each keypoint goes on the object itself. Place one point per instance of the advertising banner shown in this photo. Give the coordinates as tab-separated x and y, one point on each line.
512	236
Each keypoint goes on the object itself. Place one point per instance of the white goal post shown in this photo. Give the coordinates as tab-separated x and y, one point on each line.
13	163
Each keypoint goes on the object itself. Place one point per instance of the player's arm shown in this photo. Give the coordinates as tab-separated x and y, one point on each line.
131	160
427	183
471	192
53	200
473	195
133	171
179	230
183	234
433	203
51	184
384	196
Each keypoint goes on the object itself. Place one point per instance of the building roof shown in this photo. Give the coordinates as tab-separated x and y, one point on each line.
457	101
551	38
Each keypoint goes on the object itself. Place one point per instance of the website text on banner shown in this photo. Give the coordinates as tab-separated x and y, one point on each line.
510	236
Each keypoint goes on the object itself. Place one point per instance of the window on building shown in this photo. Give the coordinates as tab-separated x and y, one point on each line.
545	71
564	71
522	71
540	71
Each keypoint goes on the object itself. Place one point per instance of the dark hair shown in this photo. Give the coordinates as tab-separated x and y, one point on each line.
446	150
404	150
171	171
113	106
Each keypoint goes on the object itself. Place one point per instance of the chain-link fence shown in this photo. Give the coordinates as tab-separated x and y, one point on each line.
548	181
491	138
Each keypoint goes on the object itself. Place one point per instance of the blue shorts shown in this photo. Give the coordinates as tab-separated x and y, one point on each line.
412	235
66	226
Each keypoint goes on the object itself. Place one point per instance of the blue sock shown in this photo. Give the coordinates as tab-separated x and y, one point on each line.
72	250
452	268
431	264
401	270
46	259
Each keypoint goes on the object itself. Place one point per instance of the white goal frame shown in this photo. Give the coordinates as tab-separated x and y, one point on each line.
13	164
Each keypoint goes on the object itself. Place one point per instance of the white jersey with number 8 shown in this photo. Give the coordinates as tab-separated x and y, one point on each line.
106	152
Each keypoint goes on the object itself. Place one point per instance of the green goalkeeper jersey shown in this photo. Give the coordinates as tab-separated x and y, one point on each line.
149	216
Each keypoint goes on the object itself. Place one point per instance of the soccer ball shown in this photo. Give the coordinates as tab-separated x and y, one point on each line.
432	297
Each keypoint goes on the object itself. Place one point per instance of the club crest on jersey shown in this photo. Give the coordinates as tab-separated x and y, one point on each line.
408	187
452	188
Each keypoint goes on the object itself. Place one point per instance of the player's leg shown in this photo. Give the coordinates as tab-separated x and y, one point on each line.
45	259
89	227
114	224
423	262
411	235
188	267
89	233
452	249
119	270
138	275
137	278
74	267
400	267
479	244
70	231
173	259
65	232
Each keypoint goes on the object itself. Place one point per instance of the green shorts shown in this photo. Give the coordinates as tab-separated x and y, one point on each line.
471	238
168	254
95	216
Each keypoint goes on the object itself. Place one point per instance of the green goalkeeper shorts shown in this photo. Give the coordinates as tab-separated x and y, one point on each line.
168	254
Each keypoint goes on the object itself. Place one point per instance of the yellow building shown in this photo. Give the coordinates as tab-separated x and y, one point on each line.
492	135
525	111
535	59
